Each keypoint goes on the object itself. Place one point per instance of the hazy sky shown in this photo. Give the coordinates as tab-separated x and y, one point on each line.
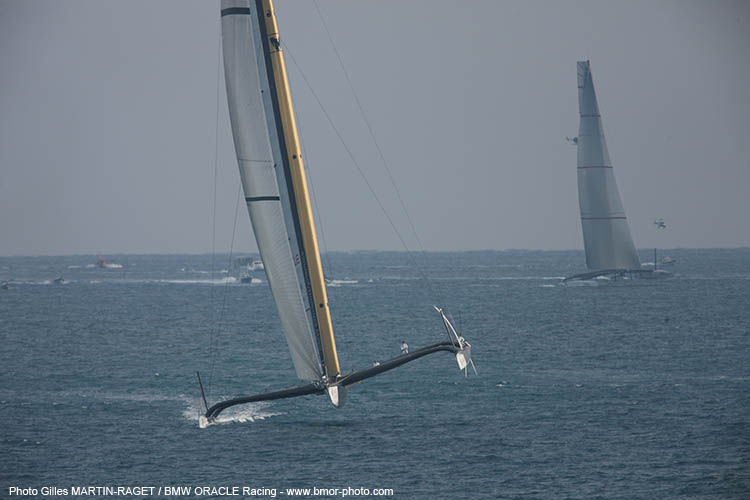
108	122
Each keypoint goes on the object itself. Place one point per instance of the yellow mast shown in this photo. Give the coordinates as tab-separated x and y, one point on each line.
299	185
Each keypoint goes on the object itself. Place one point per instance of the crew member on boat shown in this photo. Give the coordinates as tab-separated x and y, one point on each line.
404	347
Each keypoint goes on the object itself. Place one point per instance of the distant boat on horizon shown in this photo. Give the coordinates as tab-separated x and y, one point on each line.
250	263
607	241
100	262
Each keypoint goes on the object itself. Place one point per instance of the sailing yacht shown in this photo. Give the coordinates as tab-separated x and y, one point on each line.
609	246
274	183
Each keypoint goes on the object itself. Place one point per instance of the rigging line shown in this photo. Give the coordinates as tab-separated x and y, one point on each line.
369	127
213	208
326	261
359	168
226	286
382	157
372	135
342	338
308	171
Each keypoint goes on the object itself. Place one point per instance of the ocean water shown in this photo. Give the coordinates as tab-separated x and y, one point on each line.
627	389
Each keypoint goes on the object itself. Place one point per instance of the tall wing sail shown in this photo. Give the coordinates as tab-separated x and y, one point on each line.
268	179
606	233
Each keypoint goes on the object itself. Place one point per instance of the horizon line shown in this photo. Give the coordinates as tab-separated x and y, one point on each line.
238	254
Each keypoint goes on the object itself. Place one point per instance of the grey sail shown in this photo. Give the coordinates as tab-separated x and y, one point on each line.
258	144
606	233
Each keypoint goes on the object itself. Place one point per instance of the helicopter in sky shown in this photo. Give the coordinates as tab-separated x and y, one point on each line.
660	224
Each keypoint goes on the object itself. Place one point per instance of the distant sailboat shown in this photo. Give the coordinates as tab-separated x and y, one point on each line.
100	262
609	246
274	183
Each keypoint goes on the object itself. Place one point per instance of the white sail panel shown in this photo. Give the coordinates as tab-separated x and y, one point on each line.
606	233
266	193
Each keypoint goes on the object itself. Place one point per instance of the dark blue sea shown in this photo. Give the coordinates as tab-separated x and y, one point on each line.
609	389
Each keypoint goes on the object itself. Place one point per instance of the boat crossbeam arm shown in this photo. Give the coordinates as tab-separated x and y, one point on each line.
365	373
292	392
346	380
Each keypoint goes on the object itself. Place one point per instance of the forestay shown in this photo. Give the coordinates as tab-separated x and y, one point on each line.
606	233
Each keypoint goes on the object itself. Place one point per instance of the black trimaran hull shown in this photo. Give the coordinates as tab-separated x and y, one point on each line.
345	380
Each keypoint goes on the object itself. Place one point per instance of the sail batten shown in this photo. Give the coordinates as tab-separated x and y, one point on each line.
266	146
606	233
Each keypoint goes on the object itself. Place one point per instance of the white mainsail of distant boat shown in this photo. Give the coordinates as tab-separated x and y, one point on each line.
606	234
274	183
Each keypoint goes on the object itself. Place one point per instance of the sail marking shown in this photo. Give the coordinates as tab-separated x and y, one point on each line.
262	198
231	11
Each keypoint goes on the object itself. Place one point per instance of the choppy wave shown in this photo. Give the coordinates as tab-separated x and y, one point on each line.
478	279
579	283
578	361
497	281
717	277
140	397
342	282
219	281
106	265
38	282
94	394
501	278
